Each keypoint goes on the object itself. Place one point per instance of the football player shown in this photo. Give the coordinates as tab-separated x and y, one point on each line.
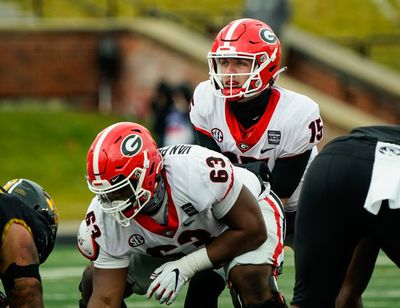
351	192
160	216
242	113
28	223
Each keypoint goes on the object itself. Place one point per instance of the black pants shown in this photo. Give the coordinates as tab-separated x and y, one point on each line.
331	221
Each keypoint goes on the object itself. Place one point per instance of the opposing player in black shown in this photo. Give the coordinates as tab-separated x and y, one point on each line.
28	224
351	192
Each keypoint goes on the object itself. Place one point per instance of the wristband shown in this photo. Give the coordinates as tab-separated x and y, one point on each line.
195	262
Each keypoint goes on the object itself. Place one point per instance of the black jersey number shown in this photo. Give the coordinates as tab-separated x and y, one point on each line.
195	237
316	128
90	220
221	175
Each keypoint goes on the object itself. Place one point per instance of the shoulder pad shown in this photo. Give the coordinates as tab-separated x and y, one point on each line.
86	243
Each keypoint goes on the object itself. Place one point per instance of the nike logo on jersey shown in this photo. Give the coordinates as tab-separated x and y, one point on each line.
266	150
188	223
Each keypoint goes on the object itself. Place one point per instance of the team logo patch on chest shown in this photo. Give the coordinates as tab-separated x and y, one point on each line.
274	136
243	147
217	134
136	240
169	233
189	209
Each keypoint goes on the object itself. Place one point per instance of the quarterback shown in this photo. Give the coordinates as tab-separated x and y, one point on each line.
242	113
161	215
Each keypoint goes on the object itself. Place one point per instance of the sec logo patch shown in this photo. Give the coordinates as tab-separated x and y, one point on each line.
136	240
217	134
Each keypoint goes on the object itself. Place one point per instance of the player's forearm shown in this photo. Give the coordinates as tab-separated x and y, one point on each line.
246	229
233	243
287	174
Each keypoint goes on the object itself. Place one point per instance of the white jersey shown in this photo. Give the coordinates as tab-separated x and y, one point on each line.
201	187
290	125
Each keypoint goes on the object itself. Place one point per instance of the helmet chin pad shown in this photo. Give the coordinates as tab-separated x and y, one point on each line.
233	93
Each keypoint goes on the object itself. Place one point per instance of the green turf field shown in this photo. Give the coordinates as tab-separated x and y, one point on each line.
61	275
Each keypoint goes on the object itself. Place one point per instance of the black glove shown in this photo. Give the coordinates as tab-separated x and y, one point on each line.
259	168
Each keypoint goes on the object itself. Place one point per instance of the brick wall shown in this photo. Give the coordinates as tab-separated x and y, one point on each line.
343	86
62	64
48	64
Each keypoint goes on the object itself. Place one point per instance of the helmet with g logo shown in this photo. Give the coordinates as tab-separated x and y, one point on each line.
249	39
122	167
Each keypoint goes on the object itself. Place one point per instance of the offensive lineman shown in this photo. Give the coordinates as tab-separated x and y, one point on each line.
241	113
157	219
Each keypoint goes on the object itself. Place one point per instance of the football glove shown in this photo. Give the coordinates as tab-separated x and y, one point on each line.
168	281
169	278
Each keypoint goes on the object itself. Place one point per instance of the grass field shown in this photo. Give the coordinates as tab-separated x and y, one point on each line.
50	147
54	151
61	275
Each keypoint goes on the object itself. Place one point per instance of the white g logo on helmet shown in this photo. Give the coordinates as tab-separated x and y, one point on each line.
268	36
131	145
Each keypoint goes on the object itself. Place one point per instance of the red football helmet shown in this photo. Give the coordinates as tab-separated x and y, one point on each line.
247	39
122	167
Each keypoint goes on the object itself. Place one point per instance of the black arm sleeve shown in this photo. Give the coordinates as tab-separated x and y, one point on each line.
287	174
207	141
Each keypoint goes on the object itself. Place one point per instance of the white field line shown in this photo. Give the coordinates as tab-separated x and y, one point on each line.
76	271
62	272
387	9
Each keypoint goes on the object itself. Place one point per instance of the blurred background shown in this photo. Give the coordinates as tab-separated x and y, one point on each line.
70	68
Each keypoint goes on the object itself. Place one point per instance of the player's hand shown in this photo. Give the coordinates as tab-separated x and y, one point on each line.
170	277
168	280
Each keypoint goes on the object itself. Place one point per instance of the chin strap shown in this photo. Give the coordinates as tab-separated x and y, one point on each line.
275	77
153	206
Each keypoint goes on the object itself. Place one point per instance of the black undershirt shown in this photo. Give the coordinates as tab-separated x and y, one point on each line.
248	113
